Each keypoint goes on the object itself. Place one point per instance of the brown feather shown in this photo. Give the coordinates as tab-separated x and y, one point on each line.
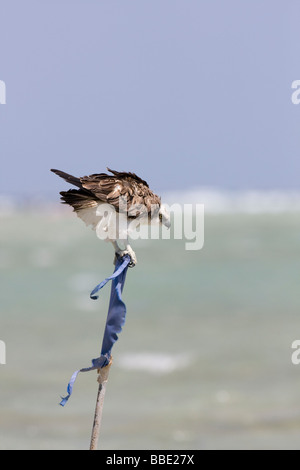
109	189
69	178
78	199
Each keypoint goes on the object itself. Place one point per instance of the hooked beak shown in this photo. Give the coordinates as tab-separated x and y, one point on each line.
167	224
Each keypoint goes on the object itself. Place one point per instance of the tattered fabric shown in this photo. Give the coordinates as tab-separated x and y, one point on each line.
115	319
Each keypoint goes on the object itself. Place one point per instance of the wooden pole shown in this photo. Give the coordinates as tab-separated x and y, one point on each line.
102	379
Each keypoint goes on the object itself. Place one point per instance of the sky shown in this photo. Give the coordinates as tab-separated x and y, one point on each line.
186	93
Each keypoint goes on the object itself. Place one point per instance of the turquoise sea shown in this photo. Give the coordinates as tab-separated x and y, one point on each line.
203	361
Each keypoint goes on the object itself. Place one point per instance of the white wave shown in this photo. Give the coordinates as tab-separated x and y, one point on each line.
154	363
83	282
247	201
7	205
215	201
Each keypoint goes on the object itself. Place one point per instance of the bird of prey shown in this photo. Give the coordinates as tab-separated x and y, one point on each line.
126	194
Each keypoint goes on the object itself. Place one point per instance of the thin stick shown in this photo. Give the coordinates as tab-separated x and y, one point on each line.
102	379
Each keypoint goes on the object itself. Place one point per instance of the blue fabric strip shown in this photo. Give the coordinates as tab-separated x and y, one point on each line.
115	319
121	264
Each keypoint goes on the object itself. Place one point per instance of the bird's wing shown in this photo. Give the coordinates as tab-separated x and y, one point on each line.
78	199
69	178
121	187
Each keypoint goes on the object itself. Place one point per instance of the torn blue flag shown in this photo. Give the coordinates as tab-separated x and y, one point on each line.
115	319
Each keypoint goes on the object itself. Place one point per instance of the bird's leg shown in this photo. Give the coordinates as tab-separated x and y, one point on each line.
132	255
127	251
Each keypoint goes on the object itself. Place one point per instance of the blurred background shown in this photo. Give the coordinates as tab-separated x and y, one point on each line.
195	97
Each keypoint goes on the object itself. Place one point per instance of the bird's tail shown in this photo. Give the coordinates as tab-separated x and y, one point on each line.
78	199
69	178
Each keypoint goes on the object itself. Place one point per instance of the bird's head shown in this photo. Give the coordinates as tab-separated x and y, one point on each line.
164	216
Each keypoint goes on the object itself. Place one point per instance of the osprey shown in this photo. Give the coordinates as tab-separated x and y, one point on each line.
112	204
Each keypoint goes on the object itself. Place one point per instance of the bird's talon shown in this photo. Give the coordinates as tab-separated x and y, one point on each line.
132	263
133	259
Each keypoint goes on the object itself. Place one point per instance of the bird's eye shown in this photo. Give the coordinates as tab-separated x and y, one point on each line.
160	216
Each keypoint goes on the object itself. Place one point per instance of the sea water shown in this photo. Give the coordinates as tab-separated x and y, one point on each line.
203	361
